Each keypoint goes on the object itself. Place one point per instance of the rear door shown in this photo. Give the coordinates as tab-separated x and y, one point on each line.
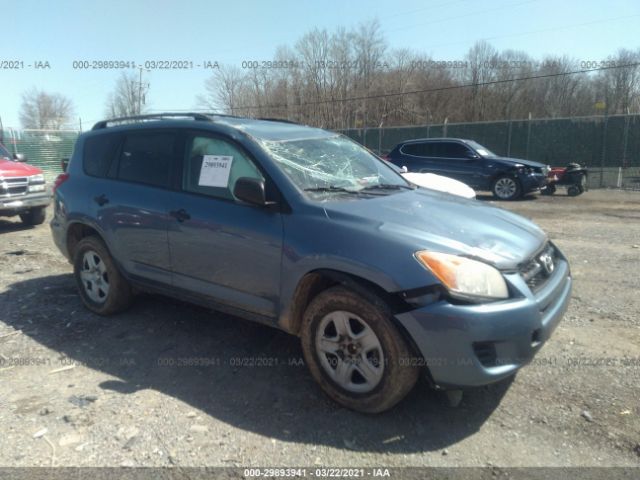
221	247
418	157
128	194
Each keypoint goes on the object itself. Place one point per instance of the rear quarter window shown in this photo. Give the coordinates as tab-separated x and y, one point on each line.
98	154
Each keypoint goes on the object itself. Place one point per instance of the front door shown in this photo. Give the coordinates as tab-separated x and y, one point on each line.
221	247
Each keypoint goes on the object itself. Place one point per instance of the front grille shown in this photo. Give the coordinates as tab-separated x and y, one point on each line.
537	271
13	187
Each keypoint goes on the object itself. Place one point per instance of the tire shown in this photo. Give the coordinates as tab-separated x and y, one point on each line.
35	216
339	315
102	287
548	190
506	188
573	191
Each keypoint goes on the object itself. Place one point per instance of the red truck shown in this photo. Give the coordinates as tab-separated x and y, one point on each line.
23	189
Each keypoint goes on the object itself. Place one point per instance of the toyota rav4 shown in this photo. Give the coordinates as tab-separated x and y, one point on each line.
305	230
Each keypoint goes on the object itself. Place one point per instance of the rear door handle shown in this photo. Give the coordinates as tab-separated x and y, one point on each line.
101	199
180	215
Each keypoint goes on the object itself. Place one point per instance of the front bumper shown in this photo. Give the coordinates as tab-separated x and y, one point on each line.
17	204
474	345
533	182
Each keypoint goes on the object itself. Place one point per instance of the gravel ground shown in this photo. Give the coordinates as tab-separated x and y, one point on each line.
169	384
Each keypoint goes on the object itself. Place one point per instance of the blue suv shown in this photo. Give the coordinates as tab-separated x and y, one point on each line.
473	164
305	230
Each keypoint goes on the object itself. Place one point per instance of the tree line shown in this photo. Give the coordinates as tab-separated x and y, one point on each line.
351	78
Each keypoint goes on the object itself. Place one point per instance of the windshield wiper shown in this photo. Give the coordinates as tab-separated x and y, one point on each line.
388	186
330	188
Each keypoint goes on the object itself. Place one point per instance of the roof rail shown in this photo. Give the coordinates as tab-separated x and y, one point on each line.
151	116
283	120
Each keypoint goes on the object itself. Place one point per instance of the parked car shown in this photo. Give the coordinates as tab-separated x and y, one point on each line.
435	182
304	230
23	189
472	164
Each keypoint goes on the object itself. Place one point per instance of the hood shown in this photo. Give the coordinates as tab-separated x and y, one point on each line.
9	168
428	220
528	163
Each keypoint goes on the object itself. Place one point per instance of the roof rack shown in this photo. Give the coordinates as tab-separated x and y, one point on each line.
152	116
270	119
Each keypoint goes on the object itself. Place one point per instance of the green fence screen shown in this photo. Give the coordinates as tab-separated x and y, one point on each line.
609	146
43	148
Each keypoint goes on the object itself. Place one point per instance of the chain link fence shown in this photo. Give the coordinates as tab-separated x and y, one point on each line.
608	145
43	148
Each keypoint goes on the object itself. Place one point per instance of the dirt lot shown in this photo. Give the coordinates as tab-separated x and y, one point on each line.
164	384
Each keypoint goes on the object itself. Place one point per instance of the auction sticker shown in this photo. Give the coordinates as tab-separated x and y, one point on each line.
215	171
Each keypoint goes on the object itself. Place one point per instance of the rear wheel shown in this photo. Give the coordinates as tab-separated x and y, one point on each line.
574	191
35	216
355	353
506	188
102	288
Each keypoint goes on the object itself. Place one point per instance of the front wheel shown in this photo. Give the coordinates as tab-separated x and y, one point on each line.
507	188
550	189
103	289
35	216
355	353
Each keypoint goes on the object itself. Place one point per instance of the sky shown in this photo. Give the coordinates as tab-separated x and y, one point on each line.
199	31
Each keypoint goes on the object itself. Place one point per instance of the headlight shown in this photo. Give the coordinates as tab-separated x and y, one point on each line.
465	278
36	178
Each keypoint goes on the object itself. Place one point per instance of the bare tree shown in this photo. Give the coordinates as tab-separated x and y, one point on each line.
223	89
348	78
42	110
619	88
128	97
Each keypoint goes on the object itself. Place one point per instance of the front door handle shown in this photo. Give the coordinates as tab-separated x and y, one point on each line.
180	215
101	199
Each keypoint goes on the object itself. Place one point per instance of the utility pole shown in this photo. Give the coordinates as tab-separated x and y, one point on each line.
141	86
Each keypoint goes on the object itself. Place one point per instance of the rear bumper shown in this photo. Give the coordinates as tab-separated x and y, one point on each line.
59	236
474	345
15	205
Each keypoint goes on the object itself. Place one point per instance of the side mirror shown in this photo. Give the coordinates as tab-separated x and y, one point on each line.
404	169
19	157
251	190
64	163
471	155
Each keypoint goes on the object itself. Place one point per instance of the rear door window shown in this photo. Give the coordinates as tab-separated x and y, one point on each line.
418	149
148	158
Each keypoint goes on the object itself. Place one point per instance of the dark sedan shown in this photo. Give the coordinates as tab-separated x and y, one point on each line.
473	164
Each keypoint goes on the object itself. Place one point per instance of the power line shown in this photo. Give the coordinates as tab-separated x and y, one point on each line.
438	89
544	30
501	7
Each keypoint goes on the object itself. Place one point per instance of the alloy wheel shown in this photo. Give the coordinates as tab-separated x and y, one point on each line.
95	279
350	353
